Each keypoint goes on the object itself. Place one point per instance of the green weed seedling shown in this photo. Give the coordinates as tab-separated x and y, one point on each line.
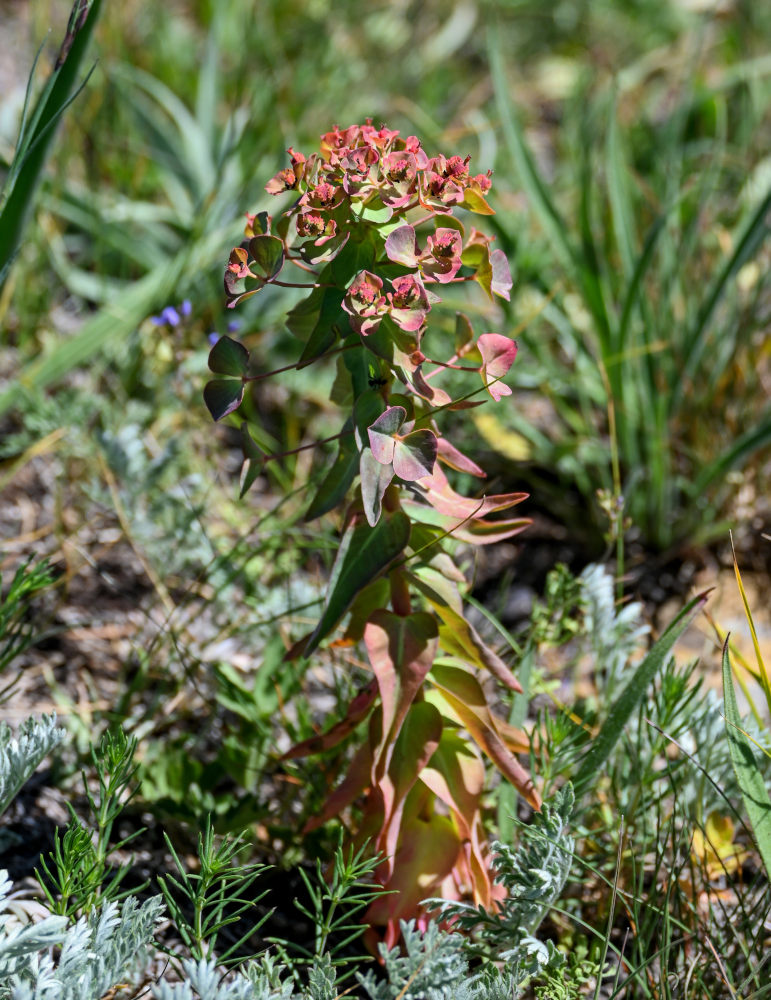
77	878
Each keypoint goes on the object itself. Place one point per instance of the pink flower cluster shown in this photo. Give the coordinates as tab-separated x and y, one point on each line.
369	177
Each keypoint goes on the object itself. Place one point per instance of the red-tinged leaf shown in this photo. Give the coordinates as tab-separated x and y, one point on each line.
401	650
375	596
474	532
498	354
450	455
375	480
401	246
474	202
462	692
364	553
254	460
381	433
501	282
457	636
357	710
223	396
426	854
416	744
228	357
481	532
415	455
435	395
443	497
268	254
352	786
456	775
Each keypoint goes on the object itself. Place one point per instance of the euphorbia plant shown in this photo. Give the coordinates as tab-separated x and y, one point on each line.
371	235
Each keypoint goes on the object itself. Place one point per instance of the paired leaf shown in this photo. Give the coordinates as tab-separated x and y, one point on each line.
415	455
229	357
223	396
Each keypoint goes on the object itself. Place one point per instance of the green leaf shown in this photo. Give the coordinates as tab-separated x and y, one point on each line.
268	253
748	772
223	396
364	554
228	357
621	711
254	460
326	329
338	479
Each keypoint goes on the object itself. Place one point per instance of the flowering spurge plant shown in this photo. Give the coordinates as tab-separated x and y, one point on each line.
370	231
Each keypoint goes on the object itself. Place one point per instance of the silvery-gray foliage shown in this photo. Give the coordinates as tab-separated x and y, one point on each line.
93	954
614	635
432	967
21	754
534	875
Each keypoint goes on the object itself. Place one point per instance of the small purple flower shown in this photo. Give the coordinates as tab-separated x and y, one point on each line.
186	308
213	337
234	326
168	317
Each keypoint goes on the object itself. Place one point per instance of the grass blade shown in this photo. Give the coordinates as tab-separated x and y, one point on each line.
536	191
748	773
630	697
52	103
754	233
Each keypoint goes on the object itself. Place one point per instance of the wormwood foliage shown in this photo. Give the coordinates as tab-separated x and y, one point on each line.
21	754
533	875
371	237
93	954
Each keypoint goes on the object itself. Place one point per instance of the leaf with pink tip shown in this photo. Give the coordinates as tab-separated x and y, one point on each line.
401	649
222	396
458	636
401	246
501	283
463	693
494	274
444	498
381	433
355	782
498	354
415	455
450	455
